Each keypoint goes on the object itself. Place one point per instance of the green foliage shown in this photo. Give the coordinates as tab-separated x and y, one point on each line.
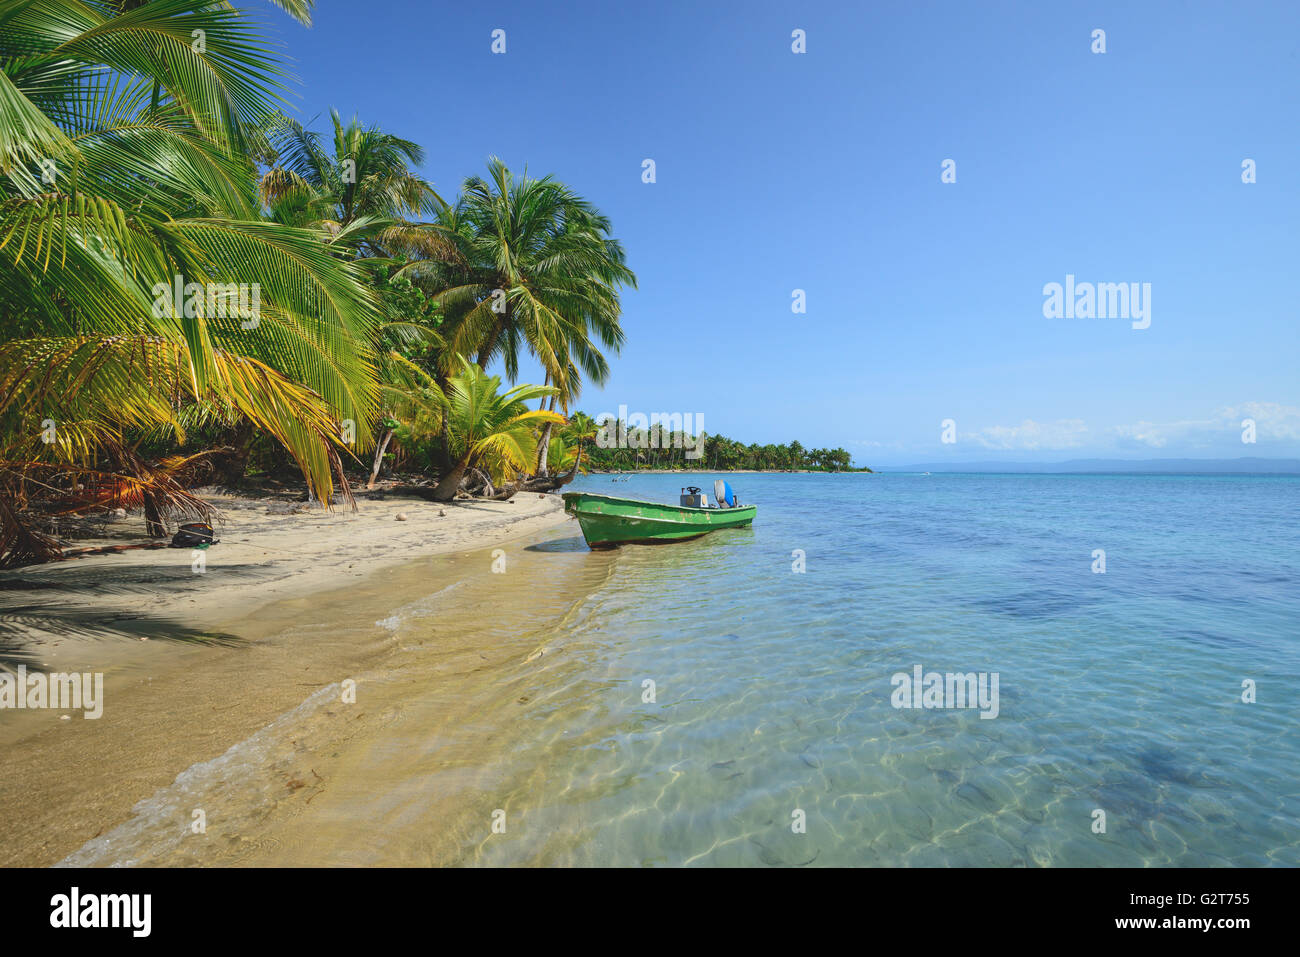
659	448
124	164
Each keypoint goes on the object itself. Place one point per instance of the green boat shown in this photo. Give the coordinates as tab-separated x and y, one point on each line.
608	520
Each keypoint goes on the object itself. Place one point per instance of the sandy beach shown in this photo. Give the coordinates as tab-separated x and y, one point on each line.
269	550
201	650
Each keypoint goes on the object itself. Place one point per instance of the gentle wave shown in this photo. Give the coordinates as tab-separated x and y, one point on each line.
160	823
417	609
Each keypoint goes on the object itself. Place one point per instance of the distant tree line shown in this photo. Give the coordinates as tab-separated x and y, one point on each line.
621	449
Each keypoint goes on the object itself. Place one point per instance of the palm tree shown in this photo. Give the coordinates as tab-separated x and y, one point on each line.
364	194
411	399
567	453
489	428
529	265
124	155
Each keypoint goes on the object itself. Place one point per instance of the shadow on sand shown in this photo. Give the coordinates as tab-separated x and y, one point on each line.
24	615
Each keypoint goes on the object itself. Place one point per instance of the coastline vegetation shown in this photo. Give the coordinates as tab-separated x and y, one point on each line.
196	289
665	450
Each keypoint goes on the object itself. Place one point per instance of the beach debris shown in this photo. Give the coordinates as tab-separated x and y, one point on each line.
400	516
442	513
119	513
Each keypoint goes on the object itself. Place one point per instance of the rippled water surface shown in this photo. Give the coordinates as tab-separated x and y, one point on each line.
1118	692
690	704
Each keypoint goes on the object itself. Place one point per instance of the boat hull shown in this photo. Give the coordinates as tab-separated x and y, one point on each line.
608	521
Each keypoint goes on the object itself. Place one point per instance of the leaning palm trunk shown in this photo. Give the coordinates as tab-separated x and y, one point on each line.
543	450
544	444
573	472
548	483
505	493
449	484
379	458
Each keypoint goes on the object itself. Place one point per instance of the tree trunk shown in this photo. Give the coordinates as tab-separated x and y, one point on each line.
154	526
231	468
476	483
548	483
449	484
379	458
544	446
505	493
543	449
577	462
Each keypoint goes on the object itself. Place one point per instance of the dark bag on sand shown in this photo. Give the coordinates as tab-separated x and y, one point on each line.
192	534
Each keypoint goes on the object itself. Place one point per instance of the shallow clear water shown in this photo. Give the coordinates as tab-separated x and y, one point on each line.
521	699
1118	692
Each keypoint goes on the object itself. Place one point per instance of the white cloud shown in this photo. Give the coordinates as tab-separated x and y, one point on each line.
1273	422
1029	435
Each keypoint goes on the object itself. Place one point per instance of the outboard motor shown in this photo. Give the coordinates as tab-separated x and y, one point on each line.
723	493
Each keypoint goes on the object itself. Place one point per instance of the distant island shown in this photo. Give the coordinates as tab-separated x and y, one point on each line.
615	447
1239	466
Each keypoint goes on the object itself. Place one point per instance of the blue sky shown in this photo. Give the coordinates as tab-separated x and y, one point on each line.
821	171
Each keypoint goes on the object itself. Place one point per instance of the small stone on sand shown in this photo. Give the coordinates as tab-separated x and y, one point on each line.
401	516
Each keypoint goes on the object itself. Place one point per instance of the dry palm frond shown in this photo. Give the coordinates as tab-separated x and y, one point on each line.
20	543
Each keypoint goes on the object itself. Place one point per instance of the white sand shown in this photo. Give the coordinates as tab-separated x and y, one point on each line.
260	558
187	695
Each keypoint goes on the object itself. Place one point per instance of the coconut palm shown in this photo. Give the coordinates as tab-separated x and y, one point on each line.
529	267
411	399
363	192
567	450
365	196
488	428
124	165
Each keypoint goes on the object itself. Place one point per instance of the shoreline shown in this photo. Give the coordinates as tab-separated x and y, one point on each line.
197	664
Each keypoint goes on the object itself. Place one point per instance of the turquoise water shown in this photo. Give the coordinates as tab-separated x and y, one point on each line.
1118	692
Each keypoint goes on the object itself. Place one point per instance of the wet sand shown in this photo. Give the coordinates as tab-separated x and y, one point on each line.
287	609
